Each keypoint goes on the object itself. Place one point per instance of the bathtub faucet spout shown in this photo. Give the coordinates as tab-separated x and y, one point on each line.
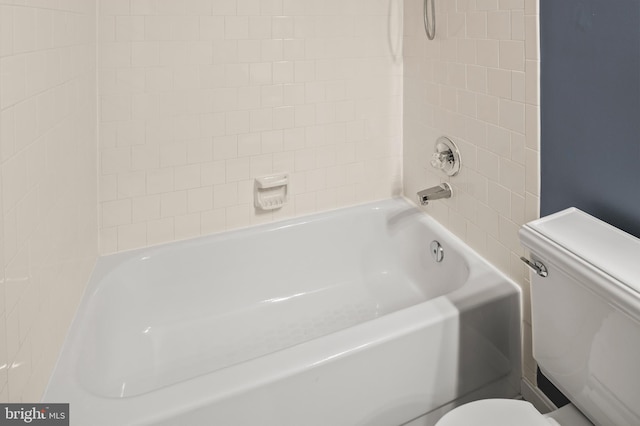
435	193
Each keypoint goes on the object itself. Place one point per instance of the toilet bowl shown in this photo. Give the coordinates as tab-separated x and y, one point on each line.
585	312
511	412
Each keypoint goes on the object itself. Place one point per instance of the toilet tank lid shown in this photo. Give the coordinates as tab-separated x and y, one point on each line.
604	246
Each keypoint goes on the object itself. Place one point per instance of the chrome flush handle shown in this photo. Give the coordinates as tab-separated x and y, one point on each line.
537	266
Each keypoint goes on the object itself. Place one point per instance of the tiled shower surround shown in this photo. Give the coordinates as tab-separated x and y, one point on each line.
48	221
478	84
197	98
155	131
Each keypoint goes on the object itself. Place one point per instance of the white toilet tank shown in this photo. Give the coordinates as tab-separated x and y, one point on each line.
586	313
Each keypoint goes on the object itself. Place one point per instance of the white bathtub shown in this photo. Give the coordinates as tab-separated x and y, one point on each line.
342	318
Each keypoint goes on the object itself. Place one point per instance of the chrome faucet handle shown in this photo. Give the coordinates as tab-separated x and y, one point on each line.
446	156
440	160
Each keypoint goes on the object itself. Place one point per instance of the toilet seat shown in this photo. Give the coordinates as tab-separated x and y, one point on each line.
494	412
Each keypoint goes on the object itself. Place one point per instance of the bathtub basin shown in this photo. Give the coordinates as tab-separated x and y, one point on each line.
341	318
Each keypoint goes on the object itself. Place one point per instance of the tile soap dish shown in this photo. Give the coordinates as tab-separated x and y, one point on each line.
271	192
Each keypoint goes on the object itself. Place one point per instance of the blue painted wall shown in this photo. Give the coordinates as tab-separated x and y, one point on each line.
590	97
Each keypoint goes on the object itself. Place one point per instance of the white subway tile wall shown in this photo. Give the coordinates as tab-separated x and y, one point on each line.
477	83
199	97
48	180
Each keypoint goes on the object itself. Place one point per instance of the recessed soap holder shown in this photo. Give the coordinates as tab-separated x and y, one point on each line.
446	156
271	192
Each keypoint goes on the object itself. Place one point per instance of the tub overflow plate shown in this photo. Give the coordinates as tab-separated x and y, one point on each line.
437	252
